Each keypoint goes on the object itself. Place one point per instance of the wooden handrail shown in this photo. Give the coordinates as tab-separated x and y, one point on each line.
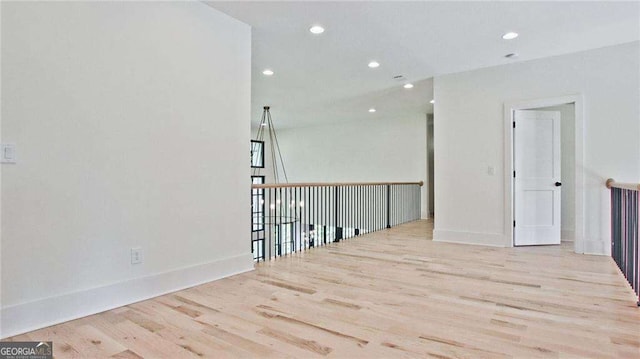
333	184
613	184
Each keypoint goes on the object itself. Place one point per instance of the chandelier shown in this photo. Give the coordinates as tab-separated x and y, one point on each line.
267	134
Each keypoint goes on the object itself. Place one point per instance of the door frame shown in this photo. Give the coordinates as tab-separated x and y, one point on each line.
509	108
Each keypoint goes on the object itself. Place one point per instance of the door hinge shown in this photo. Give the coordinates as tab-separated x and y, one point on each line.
514	124
514	174
514	224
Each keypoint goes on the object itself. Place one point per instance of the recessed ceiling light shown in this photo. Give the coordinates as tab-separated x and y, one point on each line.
408	86
316	29
267	72
432	101
512	55
510	35
373	64
372	110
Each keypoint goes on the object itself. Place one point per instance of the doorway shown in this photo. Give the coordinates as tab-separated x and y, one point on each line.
543	197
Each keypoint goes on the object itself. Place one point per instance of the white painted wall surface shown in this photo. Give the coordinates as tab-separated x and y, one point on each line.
379	150
469	136
132	127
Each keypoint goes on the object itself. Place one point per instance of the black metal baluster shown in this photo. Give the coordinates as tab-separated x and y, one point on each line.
416	196
369	217
363	217
392	205
325	215
381	216
285	220
351	211
366	207
404	200
388	206
354	224
399	204
335	214
412	208
306	212
269	219
369	208
403	204
318	212
409	208
372	207
315	215
413	201
344	197
279	221
378	208
375	208
298	218
306	215
357	211
381	207
297	223
360	209
345	215
419	204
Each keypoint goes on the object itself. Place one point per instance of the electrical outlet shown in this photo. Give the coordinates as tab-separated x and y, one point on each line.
136	255
8	153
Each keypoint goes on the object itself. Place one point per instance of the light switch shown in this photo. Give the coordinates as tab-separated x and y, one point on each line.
8	153
491	170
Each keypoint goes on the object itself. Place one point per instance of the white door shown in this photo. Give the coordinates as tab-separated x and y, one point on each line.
537	179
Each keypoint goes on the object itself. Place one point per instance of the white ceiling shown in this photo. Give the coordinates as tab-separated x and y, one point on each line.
325	79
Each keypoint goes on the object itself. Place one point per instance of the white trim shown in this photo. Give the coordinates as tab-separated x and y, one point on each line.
509	108
25	317
463	237
594	246
568	235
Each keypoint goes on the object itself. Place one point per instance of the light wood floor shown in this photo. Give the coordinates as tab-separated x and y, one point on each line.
394	293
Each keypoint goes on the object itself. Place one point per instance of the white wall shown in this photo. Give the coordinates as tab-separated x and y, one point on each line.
567	168
132	127
377	150
469	136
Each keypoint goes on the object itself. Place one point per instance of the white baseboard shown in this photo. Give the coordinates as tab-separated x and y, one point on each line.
25	317
568	235
598	247
475	238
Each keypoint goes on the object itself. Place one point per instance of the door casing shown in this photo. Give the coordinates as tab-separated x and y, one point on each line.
509	108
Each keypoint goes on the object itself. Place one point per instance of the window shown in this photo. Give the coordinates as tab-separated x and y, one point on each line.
257	154
257	219
257	204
